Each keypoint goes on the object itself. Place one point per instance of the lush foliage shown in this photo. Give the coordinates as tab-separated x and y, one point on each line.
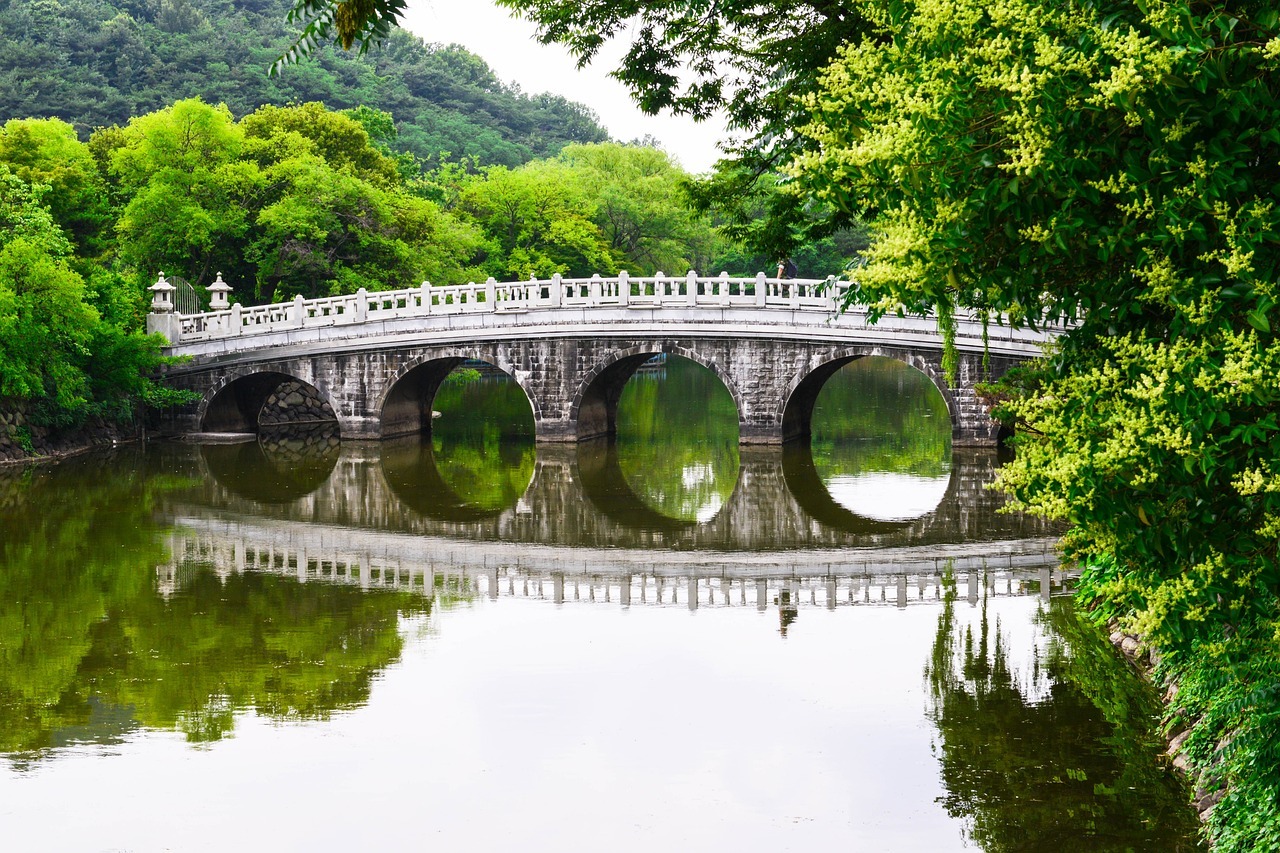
1113	165
68	343
752	62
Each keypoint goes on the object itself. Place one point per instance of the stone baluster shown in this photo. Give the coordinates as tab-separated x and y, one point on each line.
299	311
691	288
362	305
557	290
624	287
762	287
490	292
425	290
724	288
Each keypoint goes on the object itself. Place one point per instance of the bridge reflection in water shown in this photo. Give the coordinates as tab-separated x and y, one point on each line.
441	570
569	527
578	496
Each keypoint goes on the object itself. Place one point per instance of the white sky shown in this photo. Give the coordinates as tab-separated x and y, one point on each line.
509	46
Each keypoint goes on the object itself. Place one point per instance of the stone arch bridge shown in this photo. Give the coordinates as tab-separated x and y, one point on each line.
373	361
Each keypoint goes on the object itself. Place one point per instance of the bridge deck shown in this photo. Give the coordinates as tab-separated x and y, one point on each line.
786	309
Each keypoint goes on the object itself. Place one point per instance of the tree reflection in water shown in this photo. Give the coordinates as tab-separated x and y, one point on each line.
89	648
1056	755
677	440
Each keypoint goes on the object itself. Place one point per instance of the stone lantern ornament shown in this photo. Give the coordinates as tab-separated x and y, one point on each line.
218	294
161	296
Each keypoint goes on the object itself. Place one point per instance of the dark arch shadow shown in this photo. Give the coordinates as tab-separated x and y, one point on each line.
806	486
288	463
598	411
407	407
797	413
410	468
238	405
605	486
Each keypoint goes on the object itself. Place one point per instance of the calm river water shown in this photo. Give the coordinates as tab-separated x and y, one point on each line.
467	642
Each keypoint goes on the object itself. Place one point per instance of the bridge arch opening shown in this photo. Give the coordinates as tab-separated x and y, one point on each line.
879	433
266	401
457	395
671	426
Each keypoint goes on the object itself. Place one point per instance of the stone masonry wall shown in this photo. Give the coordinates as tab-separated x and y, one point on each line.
761	374
295	403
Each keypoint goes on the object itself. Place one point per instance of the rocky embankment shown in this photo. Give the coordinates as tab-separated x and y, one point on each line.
1208	787
23	441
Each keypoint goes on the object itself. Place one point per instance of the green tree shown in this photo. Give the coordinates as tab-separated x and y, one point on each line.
188	194
753	62
342	141
541	215
45	323
47	151
640	207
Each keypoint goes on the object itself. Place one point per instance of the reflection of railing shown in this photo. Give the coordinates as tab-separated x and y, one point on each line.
893	576
568	295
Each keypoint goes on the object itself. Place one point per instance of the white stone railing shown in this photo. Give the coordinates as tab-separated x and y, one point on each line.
494	297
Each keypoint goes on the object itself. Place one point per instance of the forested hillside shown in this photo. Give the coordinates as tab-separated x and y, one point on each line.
95	63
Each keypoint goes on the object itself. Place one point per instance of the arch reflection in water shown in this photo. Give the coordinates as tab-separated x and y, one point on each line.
285	463
677	444
881	441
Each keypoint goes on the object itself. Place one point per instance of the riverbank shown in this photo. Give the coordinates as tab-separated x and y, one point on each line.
22	441
1222	722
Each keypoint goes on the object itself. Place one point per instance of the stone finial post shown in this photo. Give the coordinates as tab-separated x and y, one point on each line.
762	289
691	288
218	292
161	296
162	320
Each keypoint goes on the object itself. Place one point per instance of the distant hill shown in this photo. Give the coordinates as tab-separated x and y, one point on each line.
95	63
